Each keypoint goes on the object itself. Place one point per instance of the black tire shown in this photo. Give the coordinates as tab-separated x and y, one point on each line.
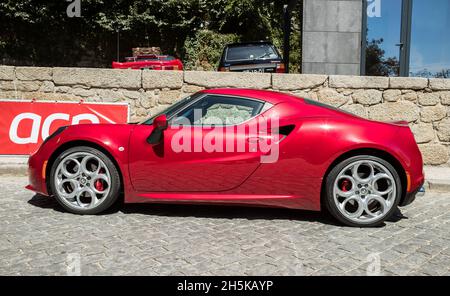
109	199
331	206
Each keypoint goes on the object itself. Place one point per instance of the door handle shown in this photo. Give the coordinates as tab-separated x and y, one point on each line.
254	139
272	138
276	138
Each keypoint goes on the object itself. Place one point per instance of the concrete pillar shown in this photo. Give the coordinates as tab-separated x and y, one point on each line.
332	36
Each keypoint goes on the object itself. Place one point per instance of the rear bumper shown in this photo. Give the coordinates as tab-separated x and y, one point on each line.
411	196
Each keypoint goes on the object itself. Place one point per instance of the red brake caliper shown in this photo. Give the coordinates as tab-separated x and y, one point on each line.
99	185
346	186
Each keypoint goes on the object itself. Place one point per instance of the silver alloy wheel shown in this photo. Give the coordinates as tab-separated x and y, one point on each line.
82	180
364	191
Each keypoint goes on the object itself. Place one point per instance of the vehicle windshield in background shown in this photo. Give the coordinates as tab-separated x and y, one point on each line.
149	58
251	52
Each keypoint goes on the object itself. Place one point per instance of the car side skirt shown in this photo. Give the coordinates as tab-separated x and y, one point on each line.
275	201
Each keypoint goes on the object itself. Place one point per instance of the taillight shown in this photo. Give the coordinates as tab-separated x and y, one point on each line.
170	67
280	68
224	69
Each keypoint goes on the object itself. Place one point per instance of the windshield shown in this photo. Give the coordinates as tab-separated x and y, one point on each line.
251	52
149	58
172	110
158	58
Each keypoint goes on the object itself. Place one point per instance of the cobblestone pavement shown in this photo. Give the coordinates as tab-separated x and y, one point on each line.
38	238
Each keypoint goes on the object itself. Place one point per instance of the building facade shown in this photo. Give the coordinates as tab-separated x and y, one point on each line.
377	37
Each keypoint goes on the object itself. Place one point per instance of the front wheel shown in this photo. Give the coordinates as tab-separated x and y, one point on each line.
84	180
362	191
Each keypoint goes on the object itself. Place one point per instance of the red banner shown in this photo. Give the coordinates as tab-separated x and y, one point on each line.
24	125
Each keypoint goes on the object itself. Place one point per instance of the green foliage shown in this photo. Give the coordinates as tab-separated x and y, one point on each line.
40	33
204	49
295	57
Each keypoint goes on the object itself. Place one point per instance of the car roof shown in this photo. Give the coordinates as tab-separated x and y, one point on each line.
262	42
272	97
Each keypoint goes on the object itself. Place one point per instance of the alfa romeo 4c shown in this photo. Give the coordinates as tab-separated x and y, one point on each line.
241	147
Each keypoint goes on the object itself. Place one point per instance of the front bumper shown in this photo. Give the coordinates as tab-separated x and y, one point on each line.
411	196
36	173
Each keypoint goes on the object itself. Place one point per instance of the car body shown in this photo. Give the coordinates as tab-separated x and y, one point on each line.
151	62
313	139
261	56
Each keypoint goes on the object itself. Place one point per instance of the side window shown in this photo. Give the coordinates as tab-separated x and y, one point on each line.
219	110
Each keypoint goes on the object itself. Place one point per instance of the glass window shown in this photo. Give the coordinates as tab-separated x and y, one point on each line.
219	110
251	52
383	37
430	39
155	58
173	109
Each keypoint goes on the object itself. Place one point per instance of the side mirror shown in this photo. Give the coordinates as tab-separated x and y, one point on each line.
160	124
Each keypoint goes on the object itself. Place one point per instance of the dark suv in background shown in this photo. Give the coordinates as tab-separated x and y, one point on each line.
259	56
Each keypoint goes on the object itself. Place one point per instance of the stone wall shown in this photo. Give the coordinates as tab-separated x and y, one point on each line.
424	103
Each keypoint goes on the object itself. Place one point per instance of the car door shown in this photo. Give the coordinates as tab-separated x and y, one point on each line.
206	147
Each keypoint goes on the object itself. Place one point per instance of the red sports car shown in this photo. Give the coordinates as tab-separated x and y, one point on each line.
151	62
236	146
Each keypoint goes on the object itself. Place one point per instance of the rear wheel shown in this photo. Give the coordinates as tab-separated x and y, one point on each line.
362	191
84	180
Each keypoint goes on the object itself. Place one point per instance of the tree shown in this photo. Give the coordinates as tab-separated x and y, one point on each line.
425	73
377	64
204	49
444	73
41	34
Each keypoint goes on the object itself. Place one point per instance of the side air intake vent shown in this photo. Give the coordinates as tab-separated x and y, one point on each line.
286	130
